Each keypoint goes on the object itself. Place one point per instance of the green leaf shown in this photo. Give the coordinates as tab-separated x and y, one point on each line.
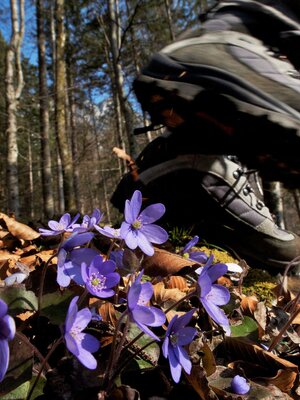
19	299
19	393
55	306
19	368
248	328
150	355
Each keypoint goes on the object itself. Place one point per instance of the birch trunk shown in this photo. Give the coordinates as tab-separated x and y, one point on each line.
46	168
64	146
14	84
118	75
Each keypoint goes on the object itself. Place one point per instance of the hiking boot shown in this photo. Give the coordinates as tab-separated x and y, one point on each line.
213	194
233	95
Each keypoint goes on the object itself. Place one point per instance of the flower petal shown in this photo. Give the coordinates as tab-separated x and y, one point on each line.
71	314
47	232
144	244
146	292
62	278
108	231
132	207
107	267
71	343
8	327
190	244
134	294
198	256
3	308
219	295
112	280
77	239
130	238
73	271
180	322
82	319
175	367
183	358
4	358
151	316
239	385
90	343
152	213
87	359
154	233
216	271
204	284
186	335
56	226
65	220
216	313
143	315
148	331
165	346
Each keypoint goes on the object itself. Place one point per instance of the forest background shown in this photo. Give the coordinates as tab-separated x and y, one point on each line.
66	73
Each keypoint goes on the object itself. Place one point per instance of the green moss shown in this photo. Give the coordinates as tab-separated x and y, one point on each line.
260	284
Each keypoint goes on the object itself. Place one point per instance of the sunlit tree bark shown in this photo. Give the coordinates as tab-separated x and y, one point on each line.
60	102
14	83
47	189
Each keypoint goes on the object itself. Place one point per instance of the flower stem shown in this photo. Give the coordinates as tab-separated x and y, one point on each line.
33	348
42	281
125	362
168	309
277	338
111	360
53	348
186	297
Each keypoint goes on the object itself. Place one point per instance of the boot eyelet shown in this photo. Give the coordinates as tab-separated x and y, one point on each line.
260	205
237	173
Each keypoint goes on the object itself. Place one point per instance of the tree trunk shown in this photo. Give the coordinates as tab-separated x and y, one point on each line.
30	176
118	75
119	136
73	134
47	190
60	201
14	84
169	19
64	148
275	202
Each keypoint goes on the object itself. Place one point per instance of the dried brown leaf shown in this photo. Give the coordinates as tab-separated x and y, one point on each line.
17	229
177	282
248	305
198	380
165	263
166	297
108	313
281	373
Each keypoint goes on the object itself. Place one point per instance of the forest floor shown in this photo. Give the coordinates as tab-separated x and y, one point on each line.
264	314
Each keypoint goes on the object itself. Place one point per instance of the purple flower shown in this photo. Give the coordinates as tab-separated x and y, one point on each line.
65	224
69	259
138	229
139	312
7	332
239	385
178	335
198	256
88	222
117	257
78	343
109	231
99	277
213	295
